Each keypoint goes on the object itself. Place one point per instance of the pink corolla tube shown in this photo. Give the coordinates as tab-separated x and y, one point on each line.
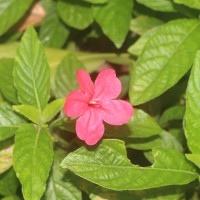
94	103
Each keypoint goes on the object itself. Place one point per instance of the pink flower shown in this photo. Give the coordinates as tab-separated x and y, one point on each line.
93	103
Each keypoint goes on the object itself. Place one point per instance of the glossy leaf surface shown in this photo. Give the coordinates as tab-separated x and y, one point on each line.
166	57
108	166
31	72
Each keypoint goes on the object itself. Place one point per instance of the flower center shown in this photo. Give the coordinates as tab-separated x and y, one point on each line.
95	102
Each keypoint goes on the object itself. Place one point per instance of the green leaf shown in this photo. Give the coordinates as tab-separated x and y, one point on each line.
59	186
192	123
9	121
108	166
34	115
65	78
30	112
164	139
1	98
76	14
140	125
167	56
33	156
192	3
137	47
52	109
8	183
96	1
143	23
144	143
170	141
114	19
53	33
7	81
172	113
11	198
31	72
6	156
11	11
195	158
159	5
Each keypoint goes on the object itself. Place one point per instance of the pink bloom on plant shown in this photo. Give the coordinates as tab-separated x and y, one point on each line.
94	103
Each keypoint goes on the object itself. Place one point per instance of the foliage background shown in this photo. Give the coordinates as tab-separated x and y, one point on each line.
154	48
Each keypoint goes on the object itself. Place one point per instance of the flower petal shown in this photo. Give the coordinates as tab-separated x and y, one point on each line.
116	112
107	85
85	83
76	104
89	127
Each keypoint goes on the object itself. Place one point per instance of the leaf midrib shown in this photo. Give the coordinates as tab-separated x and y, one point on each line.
132	167
33	77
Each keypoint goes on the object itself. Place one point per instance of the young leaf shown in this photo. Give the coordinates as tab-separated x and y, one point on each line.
59	186
195	158
11	11
31	72
6	156
52	109
33	155
9	121
192	123
53	33
167	56
30	112
108	166
34	115
8	183
65	78
159	5
7	81
192	3
76	14
114	19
